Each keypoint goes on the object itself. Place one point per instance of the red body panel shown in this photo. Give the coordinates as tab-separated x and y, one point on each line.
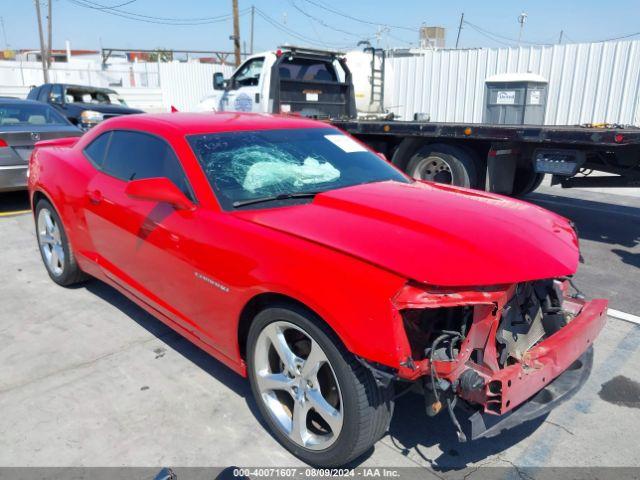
347	255
434	234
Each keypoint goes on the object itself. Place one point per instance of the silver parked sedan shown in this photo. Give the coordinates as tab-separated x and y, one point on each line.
22	124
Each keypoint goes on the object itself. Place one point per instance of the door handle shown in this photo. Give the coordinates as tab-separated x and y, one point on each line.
95	197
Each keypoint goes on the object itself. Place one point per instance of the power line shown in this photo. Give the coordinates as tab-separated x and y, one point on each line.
152	19
398	39
315	30
149	18
496	35
336	29
100	6
282	28
326	25
356	19
620	37
290	32
124	4
490	37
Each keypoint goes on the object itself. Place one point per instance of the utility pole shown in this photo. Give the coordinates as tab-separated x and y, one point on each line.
253	12
522	18
459	29
49	34
236	32
4	34
561	35
45	70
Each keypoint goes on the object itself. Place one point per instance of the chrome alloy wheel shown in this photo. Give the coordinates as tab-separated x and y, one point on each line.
298	385
50	242
434	169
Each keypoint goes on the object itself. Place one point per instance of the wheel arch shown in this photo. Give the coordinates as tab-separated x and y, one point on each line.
41	195
265	300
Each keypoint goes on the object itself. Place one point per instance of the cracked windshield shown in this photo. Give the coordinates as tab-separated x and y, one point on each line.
264	168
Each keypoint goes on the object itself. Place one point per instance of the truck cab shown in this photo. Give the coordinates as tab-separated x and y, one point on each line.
292	80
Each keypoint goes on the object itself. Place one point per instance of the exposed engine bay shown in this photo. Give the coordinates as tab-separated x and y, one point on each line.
534	312
495	348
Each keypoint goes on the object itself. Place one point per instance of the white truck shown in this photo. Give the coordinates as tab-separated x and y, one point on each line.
508	159
307	82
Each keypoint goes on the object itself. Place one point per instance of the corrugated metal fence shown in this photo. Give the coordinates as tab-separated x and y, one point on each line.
152	87
144	74
185	84
588	83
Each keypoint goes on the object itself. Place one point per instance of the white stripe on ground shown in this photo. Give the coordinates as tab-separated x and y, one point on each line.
627	317
585	207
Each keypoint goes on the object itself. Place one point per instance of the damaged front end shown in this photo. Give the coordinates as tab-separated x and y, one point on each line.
507	353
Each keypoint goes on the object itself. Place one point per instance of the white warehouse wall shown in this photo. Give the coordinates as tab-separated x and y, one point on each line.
588	82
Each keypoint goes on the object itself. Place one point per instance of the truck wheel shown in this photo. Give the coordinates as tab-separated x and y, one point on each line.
444	164
319	402
526	181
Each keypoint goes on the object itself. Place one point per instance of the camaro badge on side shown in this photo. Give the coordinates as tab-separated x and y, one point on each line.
211	281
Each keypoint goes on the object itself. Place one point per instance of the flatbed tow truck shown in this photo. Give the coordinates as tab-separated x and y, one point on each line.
507	159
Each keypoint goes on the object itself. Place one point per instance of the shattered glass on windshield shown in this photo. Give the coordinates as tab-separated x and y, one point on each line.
275	173
247	165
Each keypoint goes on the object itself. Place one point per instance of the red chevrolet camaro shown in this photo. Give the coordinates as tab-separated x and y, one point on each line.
301	259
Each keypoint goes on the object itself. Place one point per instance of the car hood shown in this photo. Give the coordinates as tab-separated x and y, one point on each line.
434	234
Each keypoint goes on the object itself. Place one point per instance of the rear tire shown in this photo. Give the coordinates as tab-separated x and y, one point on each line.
360	409
526	181
54	246
442	163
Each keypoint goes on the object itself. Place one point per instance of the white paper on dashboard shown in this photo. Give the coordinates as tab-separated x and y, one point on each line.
346	144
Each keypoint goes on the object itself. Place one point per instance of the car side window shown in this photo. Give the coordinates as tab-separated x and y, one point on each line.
136	155
96	150
249	73
56	94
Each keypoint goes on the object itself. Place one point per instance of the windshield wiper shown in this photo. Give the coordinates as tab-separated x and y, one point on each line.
282	196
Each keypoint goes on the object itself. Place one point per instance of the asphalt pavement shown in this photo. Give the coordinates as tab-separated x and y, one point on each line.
89	379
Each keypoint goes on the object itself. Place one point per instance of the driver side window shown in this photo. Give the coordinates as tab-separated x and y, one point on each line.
249	73
130	155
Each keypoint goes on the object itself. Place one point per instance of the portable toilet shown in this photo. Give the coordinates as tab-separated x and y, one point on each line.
515	99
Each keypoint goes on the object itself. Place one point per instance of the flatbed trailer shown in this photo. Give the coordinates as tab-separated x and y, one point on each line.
508	159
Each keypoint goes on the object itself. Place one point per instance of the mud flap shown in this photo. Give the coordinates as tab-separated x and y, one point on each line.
501	169
483	425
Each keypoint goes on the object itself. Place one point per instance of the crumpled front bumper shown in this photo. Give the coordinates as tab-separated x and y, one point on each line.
484	425
502	395
511	386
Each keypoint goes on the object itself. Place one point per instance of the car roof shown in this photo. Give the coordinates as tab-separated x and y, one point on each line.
209	122
83	87
20	101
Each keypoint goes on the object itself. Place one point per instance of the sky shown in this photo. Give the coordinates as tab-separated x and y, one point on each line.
205	24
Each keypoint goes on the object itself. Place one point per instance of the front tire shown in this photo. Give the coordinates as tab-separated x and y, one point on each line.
55	248
320	403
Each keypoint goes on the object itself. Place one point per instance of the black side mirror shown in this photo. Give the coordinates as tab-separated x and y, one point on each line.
219	82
